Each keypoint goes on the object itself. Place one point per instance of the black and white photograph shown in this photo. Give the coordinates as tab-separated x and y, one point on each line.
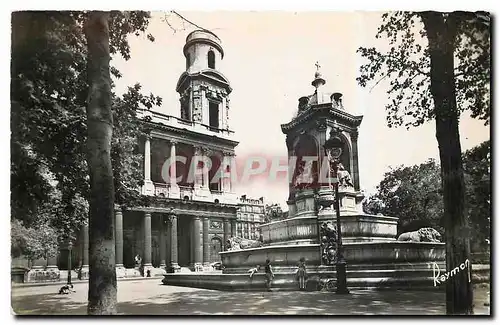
250	162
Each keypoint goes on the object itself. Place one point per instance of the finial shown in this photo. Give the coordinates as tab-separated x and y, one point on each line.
318	80
317	74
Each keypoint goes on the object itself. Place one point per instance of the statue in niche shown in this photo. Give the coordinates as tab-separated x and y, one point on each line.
305	175
328	243
344	177
336	167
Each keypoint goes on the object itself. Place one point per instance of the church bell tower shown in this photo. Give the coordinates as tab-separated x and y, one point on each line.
204	90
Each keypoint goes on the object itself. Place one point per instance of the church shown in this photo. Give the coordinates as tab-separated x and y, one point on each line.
193	212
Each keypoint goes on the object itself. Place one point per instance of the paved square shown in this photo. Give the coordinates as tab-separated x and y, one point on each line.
149	297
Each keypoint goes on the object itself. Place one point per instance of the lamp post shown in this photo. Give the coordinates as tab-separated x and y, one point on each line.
340	263
69	262
333	147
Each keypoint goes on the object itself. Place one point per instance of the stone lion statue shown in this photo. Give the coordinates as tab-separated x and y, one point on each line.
236	243
421	235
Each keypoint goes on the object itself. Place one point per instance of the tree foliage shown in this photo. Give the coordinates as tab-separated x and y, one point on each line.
478	193
125	157
406	65
49	92
414	195
35	242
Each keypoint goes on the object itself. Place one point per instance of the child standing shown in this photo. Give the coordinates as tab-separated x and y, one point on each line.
269	274
301	273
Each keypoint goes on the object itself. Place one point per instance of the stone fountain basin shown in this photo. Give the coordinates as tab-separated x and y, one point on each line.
356	254
370	265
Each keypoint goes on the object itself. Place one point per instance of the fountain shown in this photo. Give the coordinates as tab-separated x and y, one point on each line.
375	258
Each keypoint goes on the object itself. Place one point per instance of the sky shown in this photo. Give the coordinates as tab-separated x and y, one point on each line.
269	59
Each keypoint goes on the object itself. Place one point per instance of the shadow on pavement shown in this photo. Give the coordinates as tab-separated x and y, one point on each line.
211	302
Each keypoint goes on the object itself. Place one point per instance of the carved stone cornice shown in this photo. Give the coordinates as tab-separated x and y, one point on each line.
207	151
322	111
190	136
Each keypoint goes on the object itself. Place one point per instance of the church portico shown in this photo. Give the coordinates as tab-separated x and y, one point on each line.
172	234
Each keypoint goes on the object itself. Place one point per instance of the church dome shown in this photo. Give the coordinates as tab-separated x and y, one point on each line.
202	36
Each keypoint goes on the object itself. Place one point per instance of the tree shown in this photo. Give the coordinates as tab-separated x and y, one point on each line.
435	61
49	93
413	194
102	272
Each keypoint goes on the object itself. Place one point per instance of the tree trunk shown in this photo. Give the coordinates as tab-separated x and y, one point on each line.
441	34
102	272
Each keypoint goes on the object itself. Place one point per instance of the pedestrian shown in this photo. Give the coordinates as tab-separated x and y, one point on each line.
269	274
254	270
302	274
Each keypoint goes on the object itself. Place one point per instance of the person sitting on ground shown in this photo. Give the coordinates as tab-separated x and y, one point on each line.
66	289
254	270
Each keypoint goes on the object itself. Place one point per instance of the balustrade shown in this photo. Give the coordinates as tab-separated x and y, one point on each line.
298	228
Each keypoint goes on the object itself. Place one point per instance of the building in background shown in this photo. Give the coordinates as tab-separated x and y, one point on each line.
250	215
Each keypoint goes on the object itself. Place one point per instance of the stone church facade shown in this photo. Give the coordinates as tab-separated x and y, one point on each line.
190	216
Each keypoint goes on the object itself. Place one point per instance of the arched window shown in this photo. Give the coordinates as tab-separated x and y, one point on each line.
211	59
188	60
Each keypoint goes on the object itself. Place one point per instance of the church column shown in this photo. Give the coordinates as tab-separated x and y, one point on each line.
222	111
174	191
206	242
148	188
197	248
226	179
173	263
354	138
233	227
173	166
147	160
147	242
206	180
119	237
198	176
163	243
226	233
